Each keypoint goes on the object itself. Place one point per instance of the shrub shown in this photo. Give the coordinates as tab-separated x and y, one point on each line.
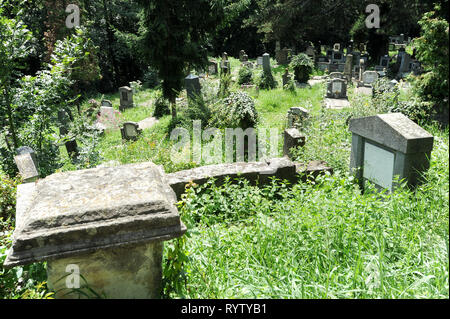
303	67
162	107
238	110
150	78
245	75
8	188
266	81
224	86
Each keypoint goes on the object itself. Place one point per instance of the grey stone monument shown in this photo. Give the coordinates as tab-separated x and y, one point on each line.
348	69
130	131
192	85
389	145
369	78
109	223
337	89
106	103
259	61
212	68
266	63
292	138
126	98
26	161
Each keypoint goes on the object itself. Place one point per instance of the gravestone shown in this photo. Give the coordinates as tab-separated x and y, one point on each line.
348	70
130	131
387	146
337	57
106	103
336	75
241	55
369	78
224	56
292	139
337	47
126	98
384	61
266	63
192	85
64	121
27	164
362	69
245	58
286	77
259	61
311	52
109	222
337	89
212	68
297	116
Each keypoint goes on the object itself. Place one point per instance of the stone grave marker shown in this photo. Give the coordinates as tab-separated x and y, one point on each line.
337	47
292	138
106	103
387	146
296	116
266	63
245	58
259	61
369	78
126	98
130	131
337	89
336	75
348	69
110	222
192	85
64	121
26	161
212	68
241	55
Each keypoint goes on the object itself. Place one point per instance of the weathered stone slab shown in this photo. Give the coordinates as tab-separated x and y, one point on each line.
27	165
292	138
336	103
71	213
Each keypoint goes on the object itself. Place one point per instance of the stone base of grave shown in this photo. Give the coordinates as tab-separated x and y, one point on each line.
336	103
364	90
147	123
115	273
313	81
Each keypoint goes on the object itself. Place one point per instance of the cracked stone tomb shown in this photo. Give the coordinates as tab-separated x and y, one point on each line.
110	222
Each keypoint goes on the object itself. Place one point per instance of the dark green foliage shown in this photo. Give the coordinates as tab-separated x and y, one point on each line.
224	85
150	78
245	75
302	66
266	81
237	110
161	107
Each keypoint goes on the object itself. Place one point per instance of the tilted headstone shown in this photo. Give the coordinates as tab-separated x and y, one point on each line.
192	84
337	89
266	63
387	146
109	223
26	161
126	98
130	131
369	78
64	121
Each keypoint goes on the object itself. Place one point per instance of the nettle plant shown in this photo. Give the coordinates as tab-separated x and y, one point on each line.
303	66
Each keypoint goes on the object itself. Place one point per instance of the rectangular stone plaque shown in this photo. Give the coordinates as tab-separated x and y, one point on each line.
337	87
378	165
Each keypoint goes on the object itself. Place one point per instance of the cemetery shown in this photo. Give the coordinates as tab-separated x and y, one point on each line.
286	167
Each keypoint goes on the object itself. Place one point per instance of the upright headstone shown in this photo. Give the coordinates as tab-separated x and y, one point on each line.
369	78
387	146
348	70
192	85
212	67
130	131
27	164
292	139
286	77
106	103
362	69
241	55
259	61
126	98
283	56
64	120
337	89
266	63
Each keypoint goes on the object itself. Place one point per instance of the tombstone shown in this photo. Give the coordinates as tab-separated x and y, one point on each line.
292	139
311	52
259	61
130	131
362	68
192	85
283	56
286	77
369	78
389	145
64	120
337	47
241	55
337	89
337	57
224	56
384	61
212	68
336	75
266	63
106	103
245	58
296	116
126	98
109	223
27	164
348	67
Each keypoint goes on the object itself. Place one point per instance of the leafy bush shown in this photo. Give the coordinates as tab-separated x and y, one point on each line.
266	81
245	75
238	110
303	67
432	51
150	78
224	86
8	188
162	107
